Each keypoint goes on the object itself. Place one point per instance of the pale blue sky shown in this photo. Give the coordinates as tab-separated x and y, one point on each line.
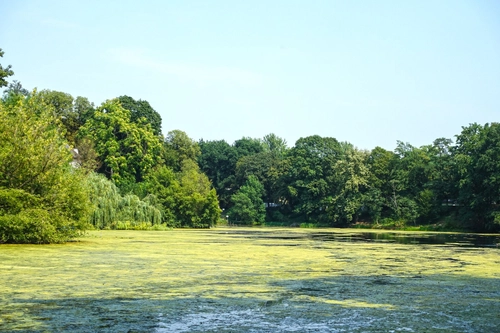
367	72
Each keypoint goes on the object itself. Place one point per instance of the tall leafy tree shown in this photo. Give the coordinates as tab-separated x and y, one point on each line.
248	206
128	151
477	157
348	191
197	205
444	177
247	146
165	185
141	110
218	161
61	102
275	145
72	113
187	197
383	185
311	178
268	167
179	147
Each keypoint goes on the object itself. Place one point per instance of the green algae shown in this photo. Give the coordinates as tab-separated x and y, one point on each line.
241	280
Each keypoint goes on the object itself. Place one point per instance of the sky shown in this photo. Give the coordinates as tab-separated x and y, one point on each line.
366	72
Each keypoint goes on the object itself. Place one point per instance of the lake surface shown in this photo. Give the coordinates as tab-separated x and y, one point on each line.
400	237
253	280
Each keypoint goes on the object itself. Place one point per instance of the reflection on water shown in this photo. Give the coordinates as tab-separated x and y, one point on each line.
469	240
434	238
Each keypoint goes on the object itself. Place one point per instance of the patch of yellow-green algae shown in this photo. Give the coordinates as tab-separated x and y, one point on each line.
237	279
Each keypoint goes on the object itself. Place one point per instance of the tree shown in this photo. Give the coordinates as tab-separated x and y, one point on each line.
197	205
141	110
400	185
310	178
247	146
179	147
351	179
72	113
4	72
218	161
382	184
477	158
164	184
128	151
111	210
15	88
274	144
42	198
267	167
187	197
416	172
248	205
61	102
444	178
83	109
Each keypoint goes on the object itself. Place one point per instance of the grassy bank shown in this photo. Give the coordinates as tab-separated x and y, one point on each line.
240	280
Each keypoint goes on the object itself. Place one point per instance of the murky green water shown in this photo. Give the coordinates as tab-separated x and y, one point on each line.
253	280
400	237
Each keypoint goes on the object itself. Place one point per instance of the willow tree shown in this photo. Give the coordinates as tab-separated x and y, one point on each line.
110	208
42	198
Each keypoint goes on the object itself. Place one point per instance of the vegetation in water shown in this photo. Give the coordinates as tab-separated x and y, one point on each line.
250	280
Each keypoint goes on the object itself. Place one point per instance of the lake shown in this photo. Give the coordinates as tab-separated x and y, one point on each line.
253	280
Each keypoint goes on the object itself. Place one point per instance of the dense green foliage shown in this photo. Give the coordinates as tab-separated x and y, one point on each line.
111	210
66	165
477	157
123	175
248	206
140	112
320	180
41	200
128	150
72	113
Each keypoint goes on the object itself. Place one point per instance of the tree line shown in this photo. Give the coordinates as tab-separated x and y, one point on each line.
332	183
67	165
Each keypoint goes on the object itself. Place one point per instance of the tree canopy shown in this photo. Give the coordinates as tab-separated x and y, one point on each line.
128	150
66	165
5	72
141	112
41	197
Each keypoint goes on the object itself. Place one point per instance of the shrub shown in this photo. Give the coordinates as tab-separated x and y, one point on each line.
36	226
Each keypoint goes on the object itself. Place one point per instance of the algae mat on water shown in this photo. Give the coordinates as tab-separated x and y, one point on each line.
247	280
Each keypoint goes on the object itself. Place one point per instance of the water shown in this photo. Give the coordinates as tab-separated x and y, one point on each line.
253	280
423	238
467	240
